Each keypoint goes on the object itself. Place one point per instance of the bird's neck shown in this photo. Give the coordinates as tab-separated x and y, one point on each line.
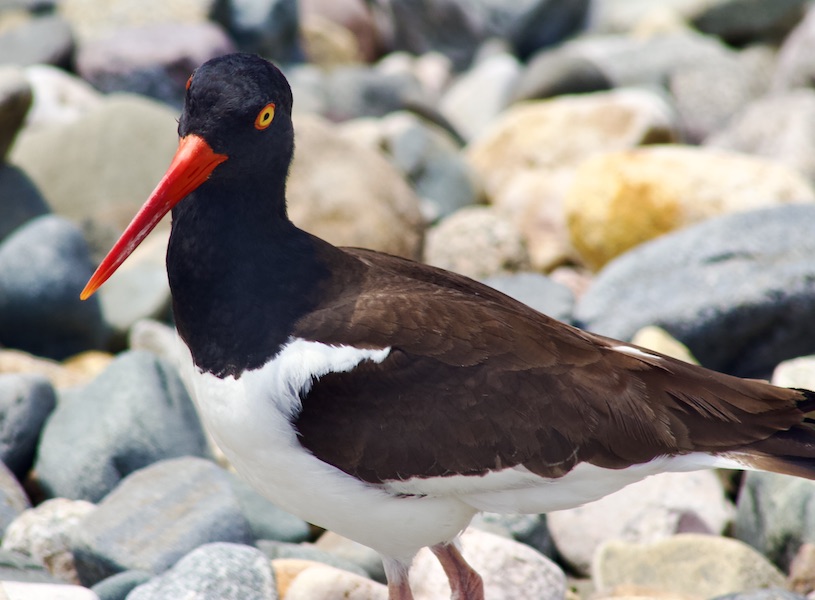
241	275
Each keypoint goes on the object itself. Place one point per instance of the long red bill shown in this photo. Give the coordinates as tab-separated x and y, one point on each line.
191	166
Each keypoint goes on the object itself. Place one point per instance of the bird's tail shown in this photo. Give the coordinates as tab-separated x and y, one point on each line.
791	451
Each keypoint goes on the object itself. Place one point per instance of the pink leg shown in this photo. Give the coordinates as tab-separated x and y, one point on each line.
398	582
465	583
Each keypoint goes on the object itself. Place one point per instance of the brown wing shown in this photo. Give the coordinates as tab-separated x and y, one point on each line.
476	381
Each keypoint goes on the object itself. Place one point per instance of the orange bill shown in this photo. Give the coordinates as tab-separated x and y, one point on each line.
191	166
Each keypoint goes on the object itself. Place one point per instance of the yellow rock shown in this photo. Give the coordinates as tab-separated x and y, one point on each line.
87	365
527	158
77	370
620	199
287	569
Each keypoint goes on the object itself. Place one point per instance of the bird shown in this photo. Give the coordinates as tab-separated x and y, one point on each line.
391	401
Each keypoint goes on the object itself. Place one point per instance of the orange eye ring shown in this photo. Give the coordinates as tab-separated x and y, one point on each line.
189	82
265	116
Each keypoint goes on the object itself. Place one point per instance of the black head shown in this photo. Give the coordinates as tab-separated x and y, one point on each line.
236	145
241	105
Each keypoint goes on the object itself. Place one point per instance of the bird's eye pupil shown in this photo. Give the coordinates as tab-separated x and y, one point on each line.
265	116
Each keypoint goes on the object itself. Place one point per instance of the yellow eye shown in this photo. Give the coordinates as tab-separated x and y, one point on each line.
265	116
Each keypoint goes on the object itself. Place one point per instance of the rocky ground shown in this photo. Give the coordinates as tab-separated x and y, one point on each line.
642	169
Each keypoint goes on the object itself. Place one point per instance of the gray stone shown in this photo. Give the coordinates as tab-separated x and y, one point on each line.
153	61
740	22
535	24
557	72
47	39
214	572
537	291
117	587
266	27
431	161
780	126
135	413
15	99
454	28
796	63
308	87
473	100
22	200
361	91
531	530
274	550
117	151
26	401
633	61
156	516
775	514
13	500
267	521
43	267
708	95
737	290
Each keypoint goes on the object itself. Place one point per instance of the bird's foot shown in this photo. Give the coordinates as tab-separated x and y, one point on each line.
465	582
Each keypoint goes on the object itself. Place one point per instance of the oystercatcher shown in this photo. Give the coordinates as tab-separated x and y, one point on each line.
388	400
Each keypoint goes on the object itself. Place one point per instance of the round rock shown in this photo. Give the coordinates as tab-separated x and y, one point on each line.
737	290
26	401
646	511
117	152
156	516
350	195
478	242
699	566
43	267
45	533
217	571
22	200
776	515
135	413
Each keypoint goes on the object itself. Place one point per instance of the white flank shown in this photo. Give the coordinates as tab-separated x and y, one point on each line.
250	418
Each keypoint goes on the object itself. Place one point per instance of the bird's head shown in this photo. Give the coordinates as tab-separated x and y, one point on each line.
236	124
